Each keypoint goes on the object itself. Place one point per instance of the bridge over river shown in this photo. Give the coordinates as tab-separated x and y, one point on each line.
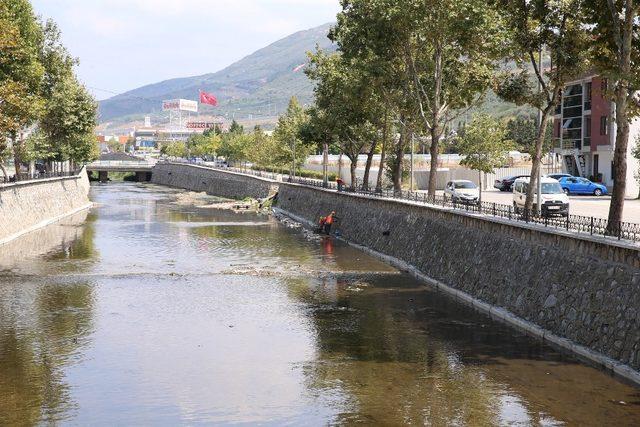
121	162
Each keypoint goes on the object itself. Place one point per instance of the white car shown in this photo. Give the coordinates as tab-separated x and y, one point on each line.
462	191
554	200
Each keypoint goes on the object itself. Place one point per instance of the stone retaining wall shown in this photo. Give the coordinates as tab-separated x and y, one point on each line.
29	205
580	289
215	182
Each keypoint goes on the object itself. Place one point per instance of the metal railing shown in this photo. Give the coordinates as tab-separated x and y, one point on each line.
22	177
573	223
119	163
585	225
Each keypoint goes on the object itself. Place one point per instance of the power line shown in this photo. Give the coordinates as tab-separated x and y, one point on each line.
120	94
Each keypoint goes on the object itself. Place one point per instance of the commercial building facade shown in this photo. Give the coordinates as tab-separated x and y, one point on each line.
585	133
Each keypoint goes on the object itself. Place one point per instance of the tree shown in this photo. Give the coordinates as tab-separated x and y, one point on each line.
114	145
438	56
69	120
523	132
175	149
292	149
235	147
236	128
558	28
615	29
484	145
204	145
265	151
21	72
348	100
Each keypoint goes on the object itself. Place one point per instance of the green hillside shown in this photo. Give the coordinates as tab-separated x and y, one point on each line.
259	85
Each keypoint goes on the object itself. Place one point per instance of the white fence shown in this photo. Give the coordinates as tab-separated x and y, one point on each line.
421	176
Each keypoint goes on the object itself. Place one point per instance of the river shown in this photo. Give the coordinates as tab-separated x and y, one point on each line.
157	308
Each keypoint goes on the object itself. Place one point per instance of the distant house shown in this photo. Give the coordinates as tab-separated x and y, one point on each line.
585	133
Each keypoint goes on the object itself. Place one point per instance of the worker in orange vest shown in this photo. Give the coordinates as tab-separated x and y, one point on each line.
328	222
320	228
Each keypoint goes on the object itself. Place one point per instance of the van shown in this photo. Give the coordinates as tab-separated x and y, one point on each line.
554	200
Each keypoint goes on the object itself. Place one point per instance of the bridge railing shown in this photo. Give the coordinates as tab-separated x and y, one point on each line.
118	164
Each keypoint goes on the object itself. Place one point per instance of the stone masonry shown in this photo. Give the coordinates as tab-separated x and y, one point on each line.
25	206
585	291
212	181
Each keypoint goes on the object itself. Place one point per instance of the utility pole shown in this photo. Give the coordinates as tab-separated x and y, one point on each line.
412	150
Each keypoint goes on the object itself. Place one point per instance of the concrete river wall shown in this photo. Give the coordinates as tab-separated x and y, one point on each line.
29	205
578	292
212	181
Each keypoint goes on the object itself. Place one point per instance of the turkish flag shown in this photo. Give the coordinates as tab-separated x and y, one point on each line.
207	98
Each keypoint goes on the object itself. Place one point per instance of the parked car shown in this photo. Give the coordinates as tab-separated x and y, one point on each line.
559	176
462	191
553	198
506	184
576	185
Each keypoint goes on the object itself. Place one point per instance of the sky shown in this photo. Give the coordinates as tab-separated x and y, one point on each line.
125	44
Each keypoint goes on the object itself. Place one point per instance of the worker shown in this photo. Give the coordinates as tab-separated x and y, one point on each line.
321	224
328	222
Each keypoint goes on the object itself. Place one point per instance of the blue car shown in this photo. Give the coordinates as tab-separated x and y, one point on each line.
576	185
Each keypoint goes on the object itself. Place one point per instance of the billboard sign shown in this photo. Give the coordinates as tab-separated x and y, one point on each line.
180	105
201	125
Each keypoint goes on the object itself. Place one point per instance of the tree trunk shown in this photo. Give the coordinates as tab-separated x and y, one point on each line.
16	156
352	168
537	159
433	151
367	167
383	152
435	124
616	207
4	172
622	95
340	166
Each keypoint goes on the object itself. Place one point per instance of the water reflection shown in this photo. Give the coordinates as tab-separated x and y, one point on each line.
43	330
152	311
404	354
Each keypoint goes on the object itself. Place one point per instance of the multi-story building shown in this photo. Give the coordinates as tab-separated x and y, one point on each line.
585	133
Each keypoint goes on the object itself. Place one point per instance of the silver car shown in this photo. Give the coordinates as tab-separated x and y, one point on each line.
462	191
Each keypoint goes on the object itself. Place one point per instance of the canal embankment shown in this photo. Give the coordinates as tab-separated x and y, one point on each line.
215	182
579	292
26	206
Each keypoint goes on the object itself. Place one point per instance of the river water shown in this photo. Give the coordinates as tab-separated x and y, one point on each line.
153	309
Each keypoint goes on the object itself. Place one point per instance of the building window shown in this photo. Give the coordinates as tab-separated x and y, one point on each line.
596	166
587	96
587	131
604	125
613	172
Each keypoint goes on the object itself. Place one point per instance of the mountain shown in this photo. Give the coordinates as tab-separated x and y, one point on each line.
258	86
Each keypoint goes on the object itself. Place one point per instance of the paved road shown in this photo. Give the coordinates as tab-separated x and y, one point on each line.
580	205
